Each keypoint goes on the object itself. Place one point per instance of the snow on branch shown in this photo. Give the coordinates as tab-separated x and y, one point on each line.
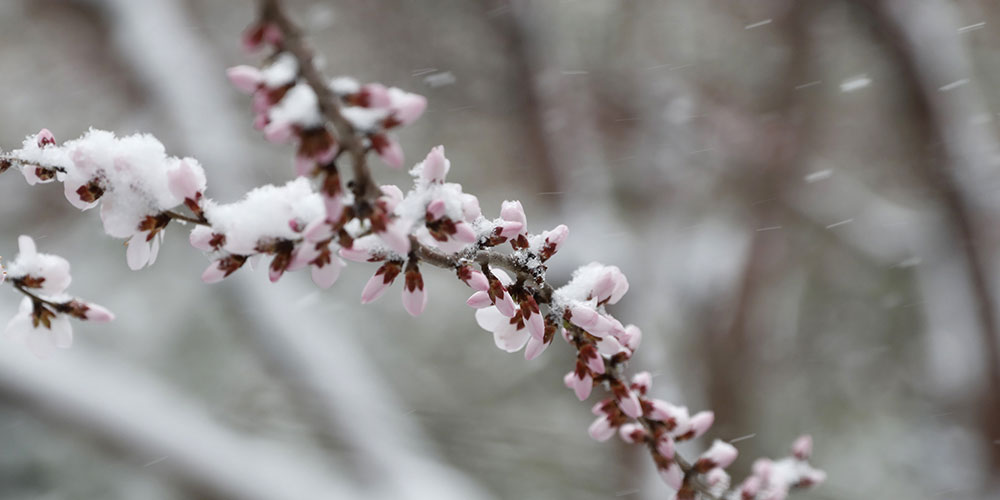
317	222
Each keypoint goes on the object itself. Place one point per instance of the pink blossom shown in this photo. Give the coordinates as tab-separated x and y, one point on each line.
98	313
50	274
673	476
629	404
479	300
609	346
590	358
201	238
324	276
214	273
380	282
721	454
414	297
611	286
406	106
717	477
580	385
391	196
436	209
45	138
665	446
278	132
186	181
535	323
475	279
701	422
750	487
602	429
389	151
633	337
376	95
464	233
142	249
642	381
632	433
435	166
802	447
666	412
76	189
355	254
245	78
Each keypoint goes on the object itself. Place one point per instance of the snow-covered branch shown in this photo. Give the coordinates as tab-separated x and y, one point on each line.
316	221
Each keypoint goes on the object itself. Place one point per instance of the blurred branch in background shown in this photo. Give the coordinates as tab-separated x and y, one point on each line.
962	158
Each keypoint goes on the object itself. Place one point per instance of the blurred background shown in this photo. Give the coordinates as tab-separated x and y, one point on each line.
802	194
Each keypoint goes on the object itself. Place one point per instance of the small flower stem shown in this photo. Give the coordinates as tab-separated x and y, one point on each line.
201	221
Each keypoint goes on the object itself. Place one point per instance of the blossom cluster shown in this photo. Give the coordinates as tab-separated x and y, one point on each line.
42	321
314	222
131	177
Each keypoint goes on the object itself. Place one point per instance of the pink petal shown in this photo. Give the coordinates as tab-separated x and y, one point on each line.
275	274
317	230
665	446
414	301
407	106
506	305
396	236
535	348
137	253
512	211
629	405
583	387
278	132
536	325
378	95
374	289
327	275
355	254
98	314
201	237
391	196
436	166
392	153
510	229
470	207
509	338
184	181
436	209
213	273
45	138
721	454
673	476
479	300
465	233
642	381
334	207
633	337
632	433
